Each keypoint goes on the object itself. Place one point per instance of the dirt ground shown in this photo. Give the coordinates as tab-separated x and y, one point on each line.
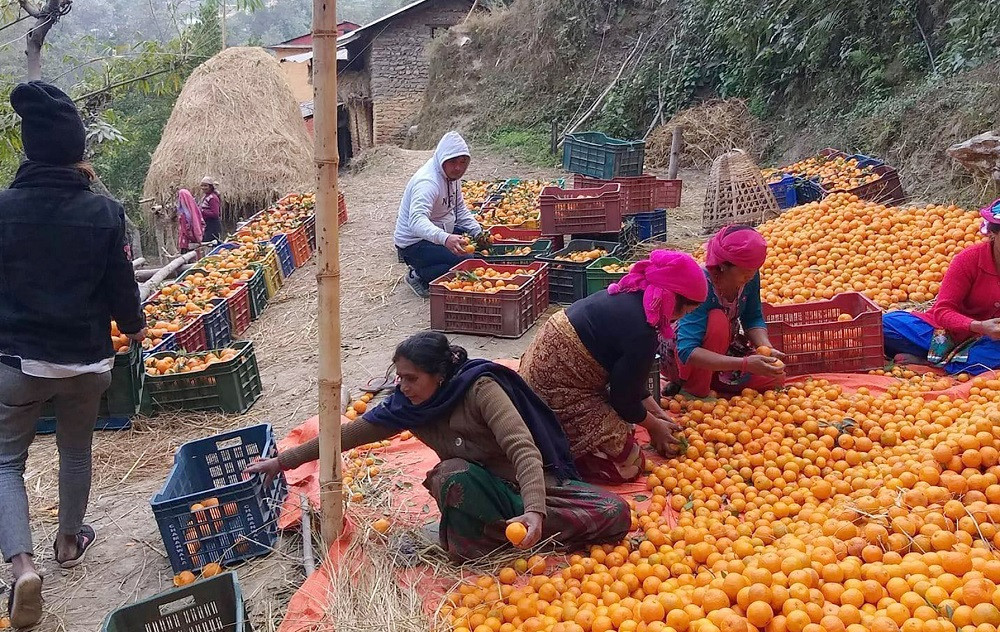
128	562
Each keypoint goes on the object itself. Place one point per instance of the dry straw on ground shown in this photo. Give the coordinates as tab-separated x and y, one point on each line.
236	121
711	128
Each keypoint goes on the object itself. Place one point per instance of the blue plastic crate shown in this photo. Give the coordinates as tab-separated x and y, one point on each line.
244	523
168	344
784	192
867	161
215	603
217	330
599	156
284	254
650	226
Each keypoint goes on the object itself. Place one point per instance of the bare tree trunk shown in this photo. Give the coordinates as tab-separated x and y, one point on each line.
45	16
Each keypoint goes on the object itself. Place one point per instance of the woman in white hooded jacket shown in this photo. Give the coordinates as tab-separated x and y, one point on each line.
433	215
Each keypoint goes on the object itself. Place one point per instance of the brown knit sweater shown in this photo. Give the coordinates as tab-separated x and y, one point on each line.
485	429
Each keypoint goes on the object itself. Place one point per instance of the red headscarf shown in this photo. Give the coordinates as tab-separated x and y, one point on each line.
737	245
660	278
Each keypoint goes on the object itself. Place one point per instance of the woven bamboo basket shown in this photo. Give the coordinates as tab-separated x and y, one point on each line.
736	194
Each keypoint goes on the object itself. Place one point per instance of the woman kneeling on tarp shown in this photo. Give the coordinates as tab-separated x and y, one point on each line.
504	457
961	332
716	343
591	364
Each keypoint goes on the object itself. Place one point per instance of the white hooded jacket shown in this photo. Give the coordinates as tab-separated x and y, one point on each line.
433	206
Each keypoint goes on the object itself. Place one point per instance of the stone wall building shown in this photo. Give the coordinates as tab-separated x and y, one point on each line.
382	71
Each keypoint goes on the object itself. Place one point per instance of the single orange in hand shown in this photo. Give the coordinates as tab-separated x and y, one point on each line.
764	351
516	532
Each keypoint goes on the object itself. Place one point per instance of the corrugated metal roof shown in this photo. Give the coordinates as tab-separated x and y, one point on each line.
347	38
307	108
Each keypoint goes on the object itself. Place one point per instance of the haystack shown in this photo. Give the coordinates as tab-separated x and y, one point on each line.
711	128
236	121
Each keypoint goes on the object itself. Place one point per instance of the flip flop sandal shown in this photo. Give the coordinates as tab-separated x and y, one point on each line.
25	601
84	540
389	381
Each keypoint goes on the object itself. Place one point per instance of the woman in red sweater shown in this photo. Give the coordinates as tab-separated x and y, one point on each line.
961	332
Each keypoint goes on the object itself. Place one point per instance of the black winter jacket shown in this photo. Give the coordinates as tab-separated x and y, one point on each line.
65	268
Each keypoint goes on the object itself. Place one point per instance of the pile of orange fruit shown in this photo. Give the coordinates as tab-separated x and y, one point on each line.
119	340
518	206
476	192
492	273
284	216
583	256
618	268
187	363
462	284
893	255
806	510
833	174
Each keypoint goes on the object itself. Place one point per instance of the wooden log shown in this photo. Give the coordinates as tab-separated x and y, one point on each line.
676	144
168	271
138	263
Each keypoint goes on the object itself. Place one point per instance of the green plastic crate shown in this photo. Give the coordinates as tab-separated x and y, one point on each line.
598	279
215	603
258	291
499	253
230	387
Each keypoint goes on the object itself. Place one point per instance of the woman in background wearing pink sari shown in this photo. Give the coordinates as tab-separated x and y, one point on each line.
591	362
716	343
190	223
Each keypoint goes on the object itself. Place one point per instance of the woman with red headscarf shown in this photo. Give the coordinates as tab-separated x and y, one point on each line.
716	343
590	363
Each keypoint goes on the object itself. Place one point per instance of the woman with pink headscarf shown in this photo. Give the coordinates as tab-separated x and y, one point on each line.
716	343
190	223
590	363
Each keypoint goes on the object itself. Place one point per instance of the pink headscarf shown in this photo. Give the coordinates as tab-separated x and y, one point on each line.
660	278
191	224
737	245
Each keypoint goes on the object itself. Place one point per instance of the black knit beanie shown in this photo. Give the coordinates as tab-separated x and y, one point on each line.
51	128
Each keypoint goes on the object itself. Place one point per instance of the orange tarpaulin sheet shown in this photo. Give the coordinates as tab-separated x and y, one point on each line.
306	609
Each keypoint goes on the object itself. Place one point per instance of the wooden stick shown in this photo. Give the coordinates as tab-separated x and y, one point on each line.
308	559
138	263
166	272
328	246
676	143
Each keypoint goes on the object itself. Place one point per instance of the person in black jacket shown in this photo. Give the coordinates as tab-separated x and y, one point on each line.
65	273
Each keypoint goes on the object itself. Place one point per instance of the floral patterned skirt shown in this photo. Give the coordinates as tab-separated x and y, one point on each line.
475	506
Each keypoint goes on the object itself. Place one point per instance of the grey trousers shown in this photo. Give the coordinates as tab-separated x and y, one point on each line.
21	399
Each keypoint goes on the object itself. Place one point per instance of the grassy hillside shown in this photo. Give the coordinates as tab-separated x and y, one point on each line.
902	79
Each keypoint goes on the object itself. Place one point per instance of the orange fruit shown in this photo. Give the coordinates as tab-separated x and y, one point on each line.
211	570
184	578
516	532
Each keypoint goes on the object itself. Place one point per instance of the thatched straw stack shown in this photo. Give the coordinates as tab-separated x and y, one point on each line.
710	129
236	121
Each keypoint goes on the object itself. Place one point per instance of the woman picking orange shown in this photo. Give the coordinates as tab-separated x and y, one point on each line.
723	345
961	332
504	458
591	364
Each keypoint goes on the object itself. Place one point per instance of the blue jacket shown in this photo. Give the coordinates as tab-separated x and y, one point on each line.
691	328
65	271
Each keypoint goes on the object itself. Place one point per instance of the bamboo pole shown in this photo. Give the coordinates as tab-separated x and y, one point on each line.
328	277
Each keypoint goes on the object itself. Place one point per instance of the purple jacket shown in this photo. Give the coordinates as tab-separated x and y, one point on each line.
211	206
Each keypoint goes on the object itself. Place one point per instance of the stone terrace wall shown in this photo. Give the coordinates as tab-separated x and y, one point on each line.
399	66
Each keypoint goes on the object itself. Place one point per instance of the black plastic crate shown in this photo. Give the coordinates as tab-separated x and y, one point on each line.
568	279
119	403
599	156
217	330
504	253
215	603
208	511
231	387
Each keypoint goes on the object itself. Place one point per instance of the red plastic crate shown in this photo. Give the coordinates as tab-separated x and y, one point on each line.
815	341
506	314
539	270
640	194
341	209
510	234
298	242
192	337
239	309
570	211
